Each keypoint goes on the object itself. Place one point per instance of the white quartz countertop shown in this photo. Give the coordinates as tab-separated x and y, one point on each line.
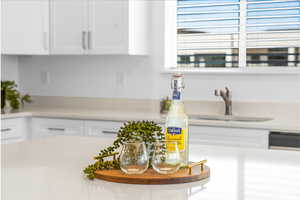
279	123
51	169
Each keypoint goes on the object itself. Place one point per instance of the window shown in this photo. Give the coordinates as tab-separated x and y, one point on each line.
238	33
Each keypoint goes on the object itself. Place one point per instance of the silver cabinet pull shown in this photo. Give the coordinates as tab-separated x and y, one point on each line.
110	132
46	40
56	129
90	40
5	129
84	40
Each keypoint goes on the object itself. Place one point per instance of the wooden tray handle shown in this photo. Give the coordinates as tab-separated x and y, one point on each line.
201	163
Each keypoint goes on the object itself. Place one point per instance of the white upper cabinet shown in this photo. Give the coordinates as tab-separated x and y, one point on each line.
98	27
117	27
25	27
77	27
68	26
108	24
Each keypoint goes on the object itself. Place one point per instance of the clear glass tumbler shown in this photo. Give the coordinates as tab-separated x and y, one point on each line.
134	158
166	157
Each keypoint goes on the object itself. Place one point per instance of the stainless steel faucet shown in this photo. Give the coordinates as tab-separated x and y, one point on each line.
226	96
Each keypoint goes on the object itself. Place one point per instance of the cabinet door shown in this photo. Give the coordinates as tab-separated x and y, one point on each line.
43	127
25	26
105	129
68	22
13	130
108	26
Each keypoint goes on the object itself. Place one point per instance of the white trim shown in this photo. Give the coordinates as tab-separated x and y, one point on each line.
270	46
268	9
243	34
245	71
209	19
276	39
170	32
206	41
205	27
274	1
207	5
207	47
269	16
274	24
280	31
209	34
208	12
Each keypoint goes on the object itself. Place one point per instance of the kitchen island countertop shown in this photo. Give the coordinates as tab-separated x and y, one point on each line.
51	168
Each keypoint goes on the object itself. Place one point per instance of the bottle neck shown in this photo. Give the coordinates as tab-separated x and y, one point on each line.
177	95
177	104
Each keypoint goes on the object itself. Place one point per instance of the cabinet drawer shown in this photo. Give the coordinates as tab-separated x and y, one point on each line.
229	136
48	127
102	128
12	129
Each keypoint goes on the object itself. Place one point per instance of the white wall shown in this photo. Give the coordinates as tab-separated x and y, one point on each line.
141	77
9	68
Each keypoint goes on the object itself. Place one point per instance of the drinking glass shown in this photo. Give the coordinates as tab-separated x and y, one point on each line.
134	158
166	157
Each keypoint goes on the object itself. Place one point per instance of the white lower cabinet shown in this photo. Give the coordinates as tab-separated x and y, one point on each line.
43	127
17	129
14	130
106	129
241	137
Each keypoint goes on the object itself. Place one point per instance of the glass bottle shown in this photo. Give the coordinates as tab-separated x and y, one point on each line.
176	128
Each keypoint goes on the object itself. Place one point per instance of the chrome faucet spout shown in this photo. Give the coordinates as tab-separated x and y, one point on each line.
226	96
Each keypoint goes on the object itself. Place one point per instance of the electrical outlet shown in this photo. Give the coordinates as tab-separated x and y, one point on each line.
45	78
120	79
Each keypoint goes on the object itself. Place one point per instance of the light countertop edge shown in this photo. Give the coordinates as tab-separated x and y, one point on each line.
121	116
16	115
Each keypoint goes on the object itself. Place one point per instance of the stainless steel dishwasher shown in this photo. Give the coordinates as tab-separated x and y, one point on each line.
284	140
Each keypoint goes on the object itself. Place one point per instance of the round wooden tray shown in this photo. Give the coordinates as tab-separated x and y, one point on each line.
185	175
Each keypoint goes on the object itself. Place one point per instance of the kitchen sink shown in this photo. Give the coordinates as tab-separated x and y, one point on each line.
230	118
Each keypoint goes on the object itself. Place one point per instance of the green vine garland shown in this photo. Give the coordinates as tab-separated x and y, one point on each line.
146	131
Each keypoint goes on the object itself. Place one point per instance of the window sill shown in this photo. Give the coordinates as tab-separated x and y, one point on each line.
238	71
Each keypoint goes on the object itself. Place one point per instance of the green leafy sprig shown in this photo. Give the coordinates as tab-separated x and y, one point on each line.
146	131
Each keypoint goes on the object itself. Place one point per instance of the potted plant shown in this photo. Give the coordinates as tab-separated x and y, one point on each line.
11	97
165	105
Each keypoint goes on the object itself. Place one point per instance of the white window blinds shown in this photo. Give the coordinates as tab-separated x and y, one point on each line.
273	33
232	33
208	33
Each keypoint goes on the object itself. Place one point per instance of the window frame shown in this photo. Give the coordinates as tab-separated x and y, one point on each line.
170	48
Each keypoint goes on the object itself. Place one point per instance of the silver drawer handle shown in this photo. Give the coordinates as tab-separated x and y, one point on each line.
56	129
110	132
5	129
46	44
84	40
90	40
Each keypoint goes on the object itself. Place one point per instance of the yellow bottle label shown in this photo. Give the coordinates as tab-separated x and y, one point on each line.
178	135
